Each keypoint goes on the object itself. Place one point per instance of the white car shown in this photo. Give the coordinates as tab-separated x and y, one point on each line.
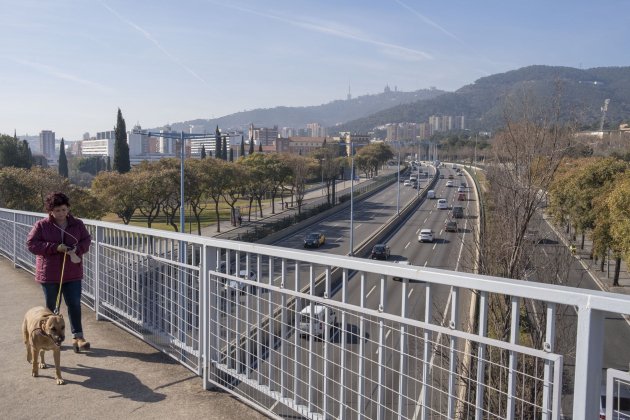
241	287
442	204
407	183
461	189
449	183
431	194
426	235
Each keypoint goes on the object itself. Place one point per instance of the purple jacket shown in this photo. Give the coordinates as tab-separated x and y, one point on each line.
43	241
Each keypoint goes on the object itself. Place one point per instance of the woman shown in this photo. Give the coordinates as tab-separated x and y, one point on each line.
59	241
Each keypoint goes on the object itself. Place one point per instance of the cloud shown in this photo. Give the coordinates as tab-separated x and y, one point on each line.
331	29
52	71
149	37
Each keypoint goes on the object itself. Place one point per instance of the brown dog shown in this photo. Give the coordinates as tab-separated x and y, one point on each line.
43	331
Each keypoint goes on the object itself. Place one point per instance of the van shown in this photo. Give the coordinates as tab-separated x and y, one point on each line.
458	212
316	314
431	194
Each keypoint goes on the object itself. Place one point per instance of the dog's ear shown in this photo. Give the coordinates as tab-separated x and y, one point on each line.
42	324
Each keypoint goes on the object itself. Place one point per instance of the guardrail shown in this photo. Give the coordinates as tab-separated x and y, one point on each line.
380	349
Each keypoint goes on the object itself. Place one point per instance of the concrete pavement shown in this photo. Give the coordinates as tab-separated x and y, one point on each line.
121	377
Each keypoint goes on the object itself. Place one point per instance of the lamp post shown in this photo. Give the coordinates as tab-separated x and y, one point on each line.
398	191
351	201
181	137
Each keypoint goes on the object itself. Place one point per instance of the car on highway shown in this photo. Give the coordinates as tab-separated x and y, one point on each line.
461	196
458	212
441	176
314	240
407	183
463	184
426	235
317	315
431	194
451	176
449	183
380	252
461	189
241	287
442	204
450	226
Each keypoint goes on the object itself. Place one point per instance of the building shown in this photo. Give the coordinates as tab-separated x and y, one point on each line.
102	135
263	135
353	141
299	145
315	130
47	144
102	147
138	142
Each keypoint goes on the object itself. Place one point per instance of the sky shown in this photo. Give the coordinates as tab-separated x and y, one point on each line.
68	65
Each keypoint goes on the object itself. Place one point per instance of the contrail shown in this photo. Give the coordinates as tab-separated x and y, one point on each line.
430	22
44	68
155	42
330	30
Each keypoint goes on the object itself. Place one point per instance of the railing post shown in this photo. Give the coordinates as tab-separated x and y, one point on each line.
588	363
481	355
97	272
453	368
550	344
514	339
14	251
207	261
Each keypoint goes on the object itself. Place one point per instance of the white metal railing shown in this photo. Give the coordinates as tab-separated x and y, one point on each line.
235	314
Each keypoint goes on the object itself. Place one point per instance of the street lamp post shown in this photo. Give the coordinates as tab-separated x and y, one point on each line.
351	201
181	137
398	191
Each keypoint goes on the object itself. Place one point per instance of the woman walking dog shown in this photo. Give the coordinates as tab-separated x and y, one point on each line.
59	241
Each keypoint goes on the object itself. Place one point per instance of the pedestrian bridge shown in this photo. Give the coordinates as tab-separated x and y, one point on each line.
393	340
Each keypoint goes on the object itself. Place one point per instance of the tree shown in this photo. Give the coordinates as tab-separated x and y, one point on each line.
236	187
194	181
217	140
242	151
231	155
117	193
224	156
14	152
251	145
620	221
215	181
301	168
63	161
121	148
203	151
149	183
260	149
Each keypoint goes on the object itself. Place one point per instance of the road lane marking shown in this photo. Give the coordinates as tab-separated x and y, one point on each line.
371	290
409	294
434	245
339	239
408	243
545	252
426	262
357	226
425	221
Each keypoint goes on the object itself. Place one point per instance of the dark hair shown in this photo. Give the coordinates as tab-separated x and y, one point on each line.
56	199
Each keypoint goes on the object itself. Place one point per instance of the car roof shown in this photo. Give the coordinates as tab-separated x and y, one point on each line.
426	231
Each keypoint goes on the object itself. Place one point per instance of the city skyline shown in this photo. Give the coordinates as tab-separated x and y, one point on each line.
69	65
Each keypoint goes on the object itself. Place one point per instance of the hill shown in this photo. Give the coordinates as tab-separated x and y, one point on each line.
329	114
582	94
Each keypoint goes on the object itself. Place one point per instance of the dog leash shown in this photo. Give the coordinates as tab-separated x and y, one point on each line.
63	266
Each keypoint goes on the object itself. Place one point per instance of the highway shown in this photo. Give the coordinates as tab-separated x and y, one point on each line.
366	343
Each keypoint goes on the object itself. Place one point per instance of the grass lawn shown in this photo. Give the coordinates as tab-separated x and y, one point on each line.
207	218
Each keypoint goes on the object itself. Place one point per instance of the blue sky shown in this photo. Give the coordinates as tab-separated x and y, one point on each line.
68	65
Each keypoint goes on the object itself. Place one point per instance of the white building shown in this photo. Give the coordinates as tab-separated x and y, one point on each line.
103	147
